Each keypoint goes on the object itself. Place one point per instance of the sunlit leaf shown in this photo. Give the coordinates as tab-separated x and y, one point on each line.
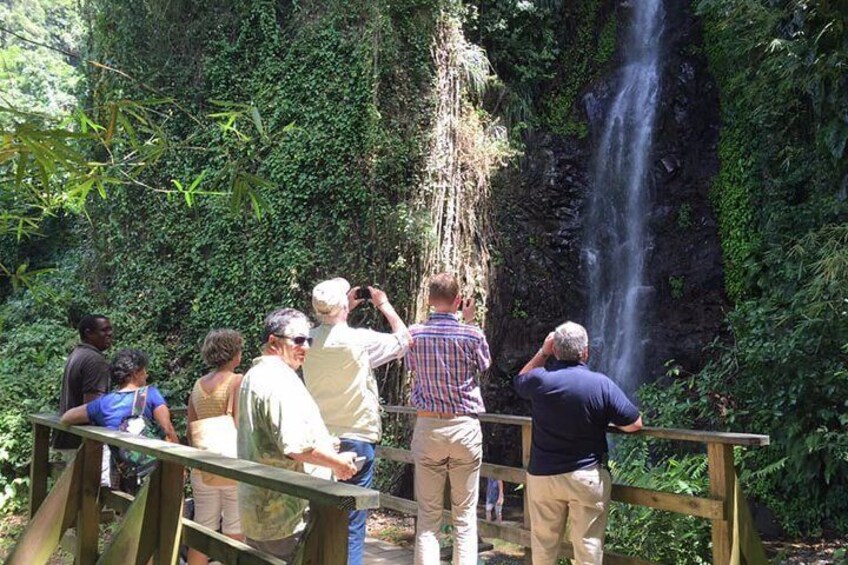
257	120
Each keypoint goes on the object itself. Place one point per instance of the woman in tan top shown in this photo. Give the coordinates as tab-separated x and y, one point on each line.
215	498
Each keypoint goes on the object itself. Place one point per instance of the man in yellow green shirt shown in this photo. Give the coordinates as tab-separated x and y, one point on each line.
280	425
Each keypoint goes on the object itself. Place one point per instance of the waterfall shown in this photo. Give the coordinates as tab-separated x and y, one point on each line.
616	233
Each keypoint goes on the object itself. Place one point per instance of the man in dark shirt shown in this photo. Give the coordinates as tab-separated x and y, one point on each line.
567	476
86	377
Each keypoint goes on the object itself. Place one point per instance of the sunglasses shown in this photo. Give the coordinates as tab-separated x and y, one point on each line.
298	340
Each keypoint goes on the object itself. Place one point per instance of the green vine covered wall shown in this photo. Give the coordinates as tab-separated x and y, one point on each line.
323	145
335	137
323	111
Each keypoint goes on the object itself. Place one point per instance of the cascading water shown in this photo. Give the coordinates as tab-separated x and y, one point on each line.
616	235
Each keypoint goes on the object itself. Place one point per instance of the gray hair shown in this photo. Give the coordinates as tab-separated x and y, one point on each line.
277	321
126	363
570	340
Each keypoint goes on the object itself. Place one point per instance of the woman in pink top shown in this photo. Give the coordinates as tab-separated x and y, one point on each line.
215	498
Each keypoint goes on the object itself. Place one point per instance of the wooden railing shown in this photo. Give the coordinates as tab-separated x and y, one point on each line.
734	538
153	526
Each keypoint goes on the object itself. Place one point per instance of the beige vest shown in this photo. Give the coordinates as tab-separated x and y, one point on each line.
338	375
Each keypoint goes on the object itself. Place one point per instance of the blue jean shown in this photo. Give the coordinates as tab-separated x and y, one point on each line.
358	518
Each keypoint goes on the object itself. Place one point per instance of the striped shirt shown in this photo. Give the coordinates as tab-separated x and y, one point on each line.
445	357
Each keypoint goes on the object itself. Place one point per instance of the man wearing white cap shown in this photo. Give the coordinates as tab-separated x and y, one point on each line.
339	373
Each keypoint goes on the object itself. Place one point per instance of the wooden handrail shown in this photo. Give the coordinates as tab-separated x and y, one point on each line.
152	526
699	436
733	535
76	494
710	508
339	495
679	434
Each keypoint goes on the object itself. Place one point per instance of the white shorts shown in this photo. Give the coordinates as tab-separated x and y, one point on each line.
215	507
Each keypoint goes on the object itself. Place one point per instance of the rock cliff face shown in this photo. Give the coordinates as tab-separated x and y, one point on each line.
540	209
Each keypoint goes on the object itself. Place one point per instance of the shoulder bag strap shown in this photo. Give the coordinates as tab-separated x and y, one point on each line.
230	396
139	402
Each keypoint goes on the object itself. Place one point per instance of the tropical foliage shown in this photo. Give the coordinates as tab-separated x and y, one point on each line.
309	118
246	148
781	200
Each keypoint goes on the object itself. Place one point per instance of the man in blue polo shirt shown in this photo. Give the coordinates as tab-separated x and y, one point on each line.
571	408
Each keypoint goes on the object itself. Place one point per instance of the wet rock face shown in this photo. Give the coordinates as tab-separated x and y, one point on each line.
538	282
539	274
685	263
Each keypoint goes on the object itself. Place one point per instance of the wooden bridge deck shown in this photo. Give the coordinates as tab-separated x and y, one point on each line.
379	552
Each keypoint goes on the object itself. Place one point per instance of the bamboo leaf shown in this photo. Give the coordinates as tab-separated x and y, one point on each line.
78	193
256	205
7	155
194	184
257	120
101	187
129	129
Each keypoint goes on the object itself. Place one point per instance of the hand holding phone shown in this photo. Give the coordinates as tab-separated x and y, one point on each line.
345	467
359	462
363	293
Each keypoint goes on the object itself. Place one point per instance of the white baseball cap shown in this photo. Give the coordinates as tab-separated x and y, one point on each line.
329	297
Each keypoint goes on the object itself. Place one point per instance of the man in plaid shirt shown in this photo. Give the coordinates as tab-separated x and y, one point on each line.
446	357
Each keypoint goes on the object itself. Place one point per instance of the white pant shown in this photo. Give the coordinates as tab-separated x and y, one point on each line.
582	495
215	506
444	448
105	463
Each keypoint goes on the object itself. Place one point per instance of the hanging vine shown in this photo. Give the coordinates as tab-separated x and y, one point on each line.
466	147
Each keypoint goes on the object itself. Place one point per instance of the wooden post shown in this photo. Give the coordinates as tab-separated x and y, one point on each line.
39	467
326	541
42	535
169	523
153	522
746	540
722	487
526	439
124	546
148	526
88	517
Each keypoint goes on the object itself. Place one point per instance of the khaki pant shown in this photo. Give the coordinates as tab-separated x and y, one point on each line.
447	448
583	496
